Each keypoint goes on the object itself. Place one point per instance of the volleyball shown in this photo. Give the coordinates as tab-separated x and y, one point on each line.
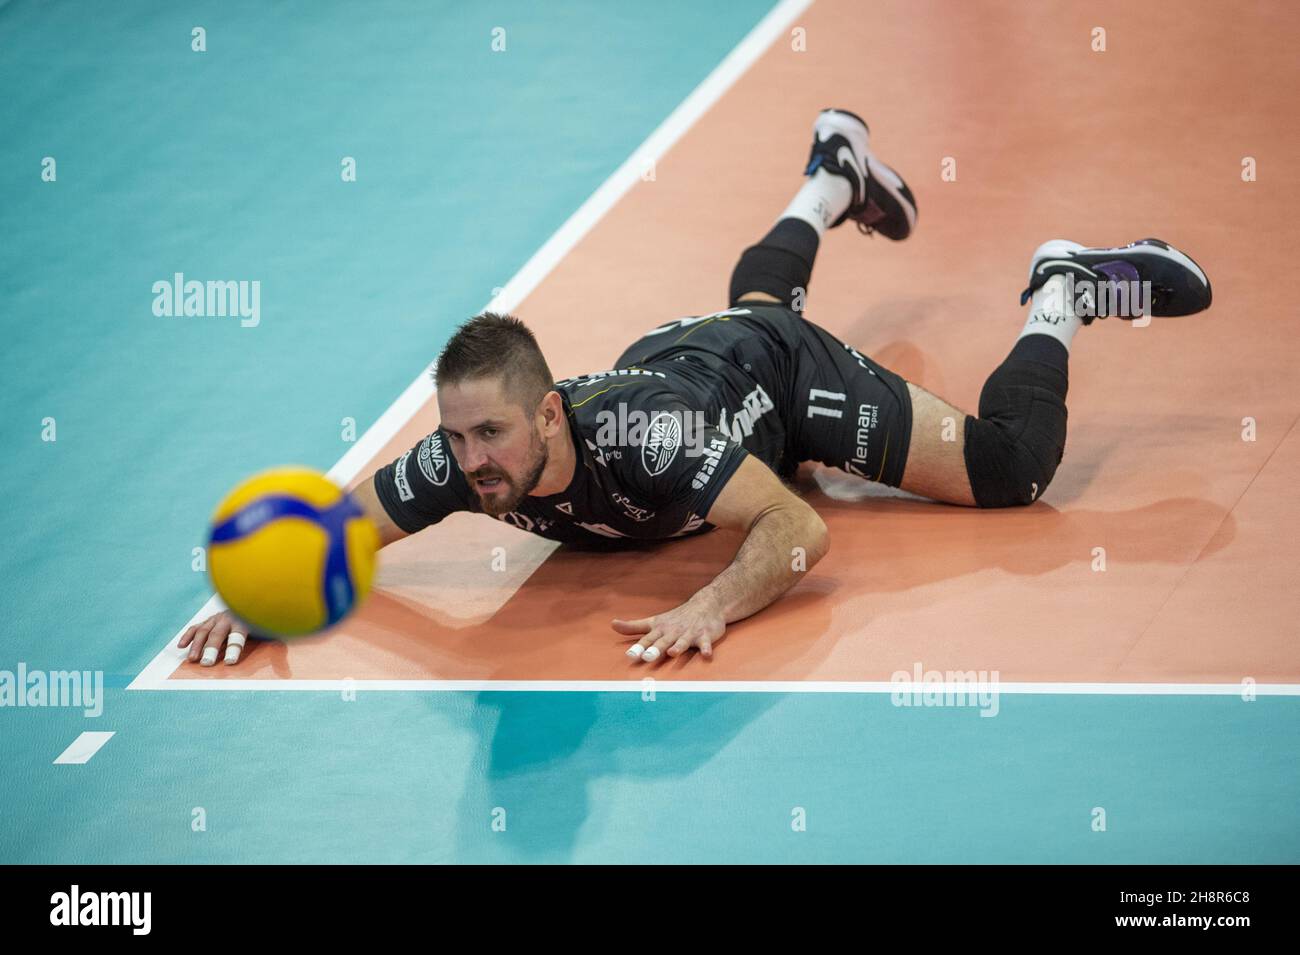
290	552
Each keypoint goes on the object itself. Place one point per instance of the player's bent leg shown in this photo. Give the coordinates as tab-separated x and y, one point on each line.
778	268
1014	447
844	181
756	298
936	462
1009	454
853	413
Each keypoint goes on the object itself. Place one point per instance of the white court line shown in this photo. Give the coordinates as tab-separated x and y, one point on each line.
736	686
544	260
83	748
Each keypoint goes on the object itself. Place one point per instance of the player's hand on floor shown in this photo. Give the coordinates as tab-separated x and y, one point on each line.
206	639
697	623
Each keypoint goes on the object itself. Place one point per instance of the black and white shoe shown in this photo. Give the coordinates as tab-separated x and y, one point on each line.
1147	277
881	200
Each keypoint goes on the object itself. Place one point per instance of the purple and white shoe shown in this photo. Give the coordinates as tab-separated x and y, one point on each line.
1147	277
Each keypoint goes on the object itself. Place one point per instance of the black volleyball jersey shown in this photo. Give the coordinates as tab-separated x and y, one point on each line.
656	438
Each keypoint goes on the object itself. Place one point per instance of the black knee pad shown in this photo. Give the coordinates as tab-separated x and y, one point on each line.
778	272
1014	446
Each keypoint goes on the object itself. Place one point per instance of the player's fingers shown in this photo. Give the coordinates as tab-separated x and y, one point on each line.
212	646
187	636
234	646
630	628
638	649
681	645
712	638
200	637
656	650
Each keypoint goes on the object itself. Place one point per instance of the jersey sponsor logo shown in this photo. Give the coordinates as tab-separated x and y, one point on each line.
663	440
526	523
564	507
603	455
754	406
433	461
693	523
712	455
624	427
868	418
631	510
521	521
861	361
604	530
399	478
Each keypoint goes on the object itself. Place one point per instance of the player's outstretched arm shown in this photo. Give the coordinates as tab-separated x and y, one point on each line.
784	537
207	638
366	495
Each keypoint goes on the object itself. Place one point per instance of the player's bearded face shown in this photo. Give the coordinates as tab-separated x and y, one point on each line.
511	485
498	443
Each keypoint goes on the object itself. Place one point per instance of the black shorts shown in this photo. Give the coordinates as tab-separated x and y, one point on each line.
841	409
832	404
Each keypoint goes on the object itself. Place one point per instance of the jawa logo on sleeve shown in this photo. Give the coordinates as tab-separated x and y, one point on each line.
433	460
663	440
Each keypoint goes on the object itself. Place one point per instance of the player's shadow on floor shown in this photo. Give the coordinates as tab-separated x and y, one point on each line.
927	542
545	753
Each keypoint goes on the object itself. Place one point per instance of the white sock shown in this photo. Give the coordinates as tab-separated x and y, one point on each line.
823	199
1051	312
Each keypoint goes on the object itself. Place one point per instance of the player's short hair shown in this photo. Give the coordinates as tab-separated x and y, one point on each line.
493	345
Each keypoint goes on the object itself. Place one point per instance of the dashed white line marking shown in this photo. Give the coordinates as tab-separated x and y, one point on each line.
83	748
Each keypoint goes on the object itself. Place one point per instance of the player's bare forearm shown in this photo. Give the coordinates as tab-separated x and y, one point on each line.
784	542
784	538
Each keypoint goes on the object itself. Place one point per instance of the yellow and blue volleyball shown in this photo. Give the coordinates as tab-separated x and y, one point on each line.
291	553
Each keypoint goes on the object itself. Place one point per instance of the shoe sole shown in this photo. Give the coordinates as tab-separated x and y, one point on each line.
895	189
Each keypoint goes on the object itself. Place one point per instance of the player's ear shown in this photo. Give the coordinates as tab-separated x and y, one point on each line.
551	414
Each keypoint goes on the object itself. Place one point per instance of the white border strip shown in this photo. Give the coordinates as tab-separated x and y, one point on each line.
169	658
534	270
736	686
